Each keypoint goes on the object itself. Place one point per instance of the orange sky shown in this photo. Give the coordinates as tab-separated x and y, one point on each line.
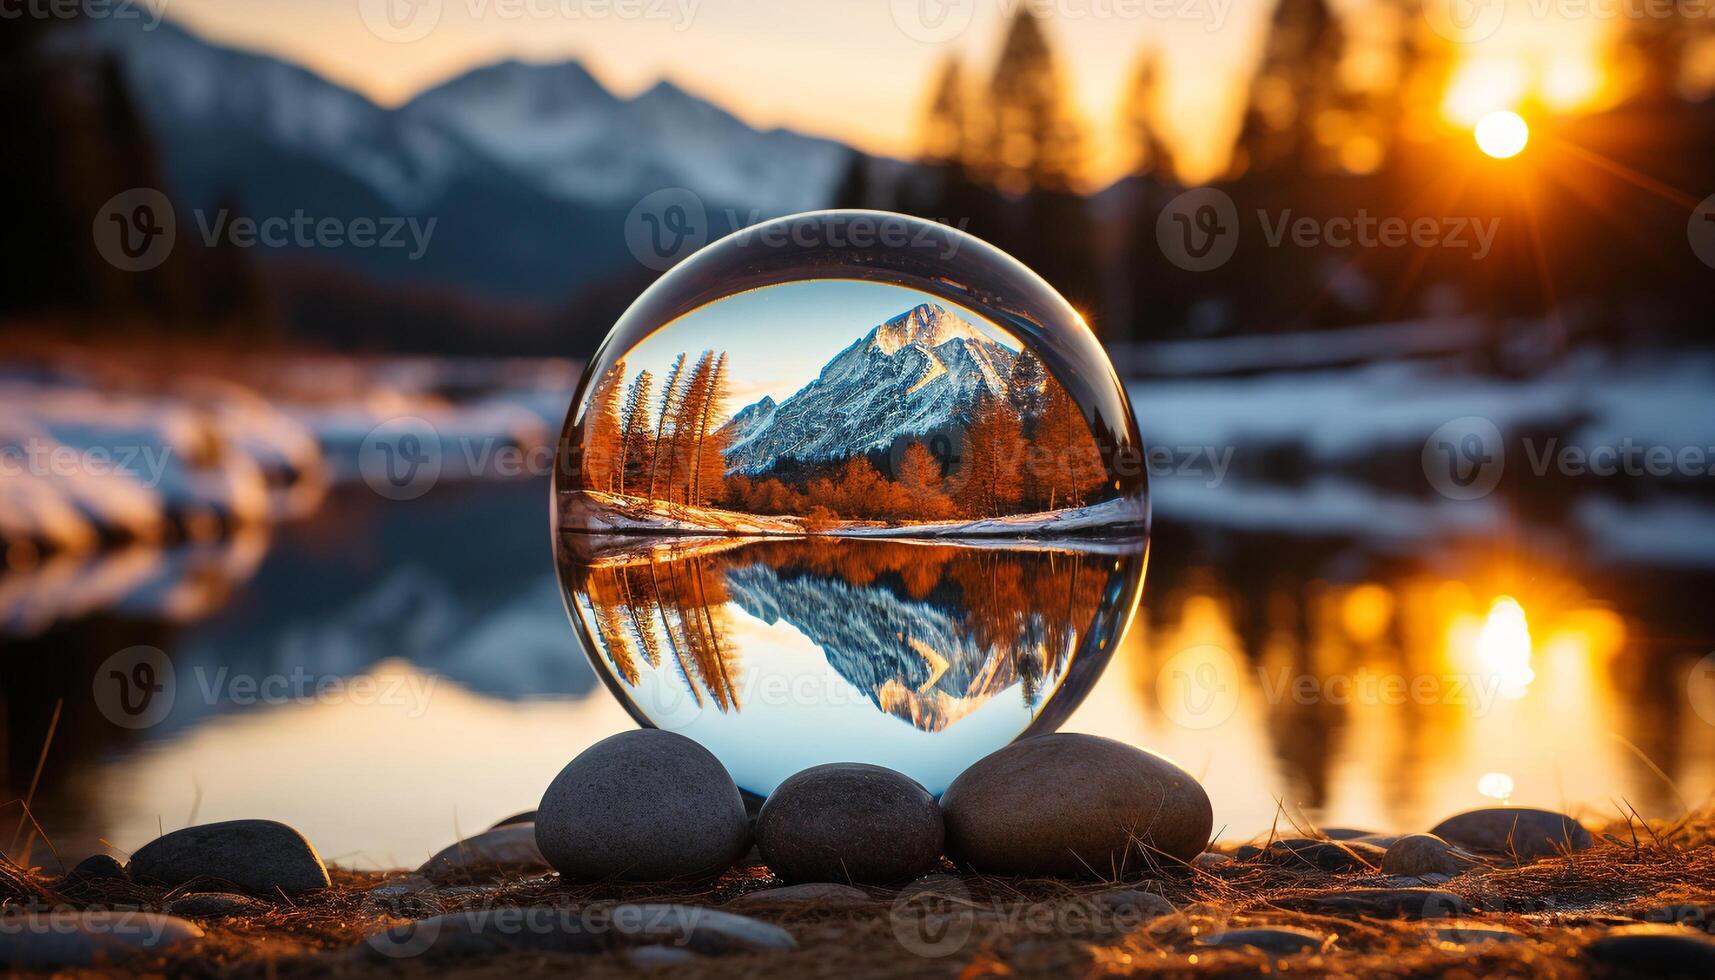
857	70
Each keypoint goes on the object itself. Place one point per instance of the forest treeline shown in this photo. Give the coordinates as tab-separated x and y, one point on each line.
1026	450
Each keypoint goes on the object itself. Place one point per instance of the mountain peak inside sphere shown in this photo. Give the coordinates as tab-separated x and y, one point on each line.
928	324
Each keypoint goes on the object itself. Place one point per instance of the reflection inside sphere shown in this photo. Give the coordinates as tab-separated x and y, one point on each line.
781	654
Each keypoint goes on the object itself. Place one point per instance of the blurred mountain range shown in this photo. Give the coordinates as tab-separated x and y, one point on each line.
528	170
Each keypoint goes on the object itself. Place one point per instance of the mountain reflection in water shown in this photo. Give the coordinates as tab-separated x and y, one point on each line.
781	654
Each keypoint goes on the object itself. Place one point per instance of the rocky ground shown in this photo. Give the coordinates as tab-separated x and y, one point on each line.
1056	855
1639	902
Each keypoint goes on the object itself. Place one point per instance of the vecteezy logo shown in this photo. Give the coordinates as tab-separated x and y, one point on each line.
1463	459
933	916
1198	687
665	227
1198	230
1700	688
1465	21
135	230
932	21
400	459
1701	231
135	687
400	21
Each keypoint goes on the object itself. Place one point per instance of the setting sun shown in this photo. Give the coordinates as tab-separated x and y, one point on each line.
1502	134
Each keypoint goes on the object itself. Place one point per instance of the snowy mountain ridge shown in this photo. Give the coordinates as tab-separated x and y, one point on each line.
550	126
908	376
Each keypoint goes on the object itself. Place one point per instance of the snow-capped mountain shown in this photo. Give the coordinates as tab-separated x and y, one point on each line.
908	376
913	659
556	126
529	170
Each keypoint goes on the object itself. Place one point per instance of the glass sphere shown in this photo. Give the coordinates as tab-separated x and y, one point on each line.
850	486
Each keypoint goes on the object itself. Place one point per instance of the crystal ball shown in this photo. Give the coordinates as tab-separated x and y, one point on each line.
850	486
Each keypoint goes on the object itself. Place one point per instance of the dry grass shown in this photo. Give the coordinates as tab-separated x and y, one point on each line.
1017	927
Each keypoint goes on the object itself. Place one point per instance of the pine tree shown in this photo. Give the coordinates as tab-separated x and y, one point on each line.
920	477
601	428
993	456
634	445
670	395
1150	154
1033	138
1296	84
1066	464
687	428
709	469
946	133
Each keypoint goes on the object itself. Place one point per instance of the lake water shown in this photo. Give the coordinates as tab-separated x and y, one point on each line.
387	676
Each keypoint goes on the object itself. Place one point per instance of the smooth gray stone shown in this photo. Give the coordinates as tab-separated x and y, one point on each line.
645	805
215	905
850	822
1656	950
1325	855
1422	854
1474	933
261	857
1377	903
487	931
650	957
703	930
1210	861
67	938
813	895
1514	830
1075	805
1280	940
1347	833
1127	908
97	867
509	848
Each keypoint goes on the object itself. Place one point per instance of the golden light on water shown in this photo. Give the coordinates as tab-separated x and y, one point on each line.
1502	647
1502	134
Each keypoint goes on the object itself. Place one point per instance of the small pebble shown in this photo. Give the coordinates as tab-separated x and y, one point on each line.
485	931
97	867
1420	854
650	957
215	905
1279	941
1325	855
260	857
1210	861
508	849
1473	933
703	930
528	816
94	938
1652	949
1528	834
1380	903
814	895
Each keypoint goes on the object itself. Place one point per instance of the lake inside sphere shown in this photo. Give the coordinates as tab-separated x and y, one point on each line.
783	653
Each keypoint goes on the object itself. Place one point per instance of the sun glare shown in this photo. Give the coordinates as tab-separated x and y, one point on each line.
1502	134
1503	647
